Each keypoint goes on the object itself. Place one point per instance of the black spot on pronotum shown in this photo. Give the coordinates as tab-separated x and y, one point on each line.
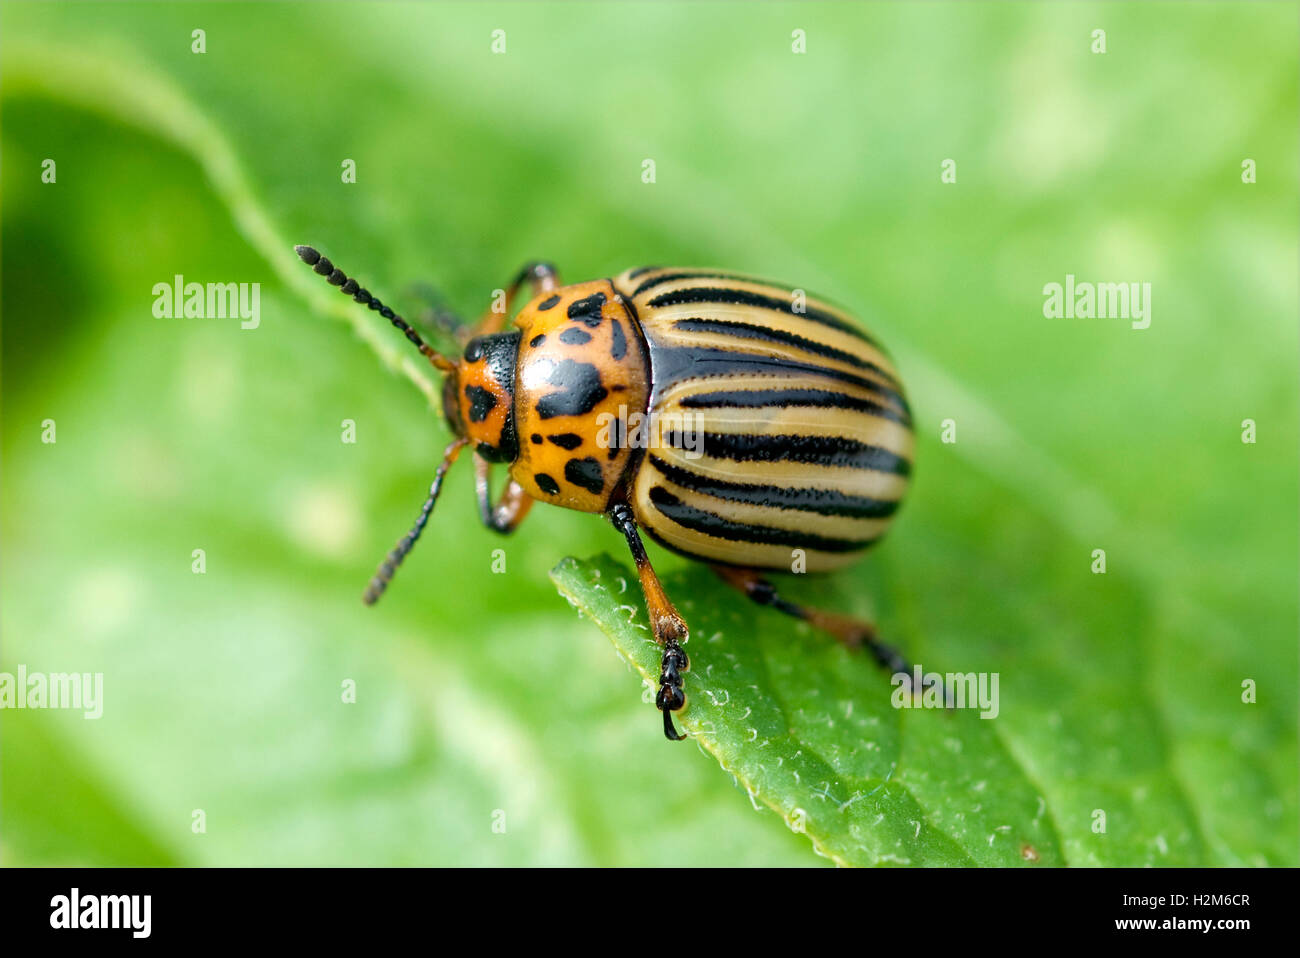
575	337
566	440
580	390
548	303
547	484
586	474
474	351
588	309
481	402
618	348
537	340
537	438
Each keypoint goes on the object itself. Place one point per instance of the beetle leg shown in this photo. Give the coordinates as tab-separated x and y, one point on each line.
511	507
539	276
384	574
854	633
669	628
438	314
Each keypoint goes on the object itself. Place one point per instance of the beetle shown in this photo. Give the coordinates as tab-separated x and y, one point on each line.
778	430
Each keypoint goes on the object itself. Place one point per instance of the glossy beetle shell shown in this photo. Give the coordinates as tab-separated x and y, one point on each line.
781	424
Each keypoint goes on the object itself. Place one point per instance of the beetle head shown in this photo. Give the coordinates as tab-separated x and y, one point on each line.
478	396
477	401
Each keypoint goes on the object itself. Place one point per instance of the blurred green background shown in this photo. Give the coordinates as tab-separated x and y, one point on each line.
479	692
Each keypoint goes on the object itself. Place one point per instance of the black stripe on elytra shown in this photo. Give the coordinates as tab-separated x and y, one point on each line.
588	309
674	363
481	403
642	271
742	297
768	334
816	450
654	281
785	398
573	336
546	484
586	474
710	524
580	390
566	440
824	502
618	344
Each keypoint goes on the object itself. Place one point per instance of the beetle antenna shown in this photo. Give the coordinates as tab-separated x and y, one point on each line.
336	277
384	574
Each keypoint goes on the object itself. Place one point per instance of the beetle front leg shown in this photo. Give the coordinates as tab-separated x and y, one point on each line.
667	624
438	314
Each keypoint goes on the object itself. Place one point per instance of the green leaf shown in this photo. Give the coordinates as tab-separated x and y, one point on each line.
807	729
1122	696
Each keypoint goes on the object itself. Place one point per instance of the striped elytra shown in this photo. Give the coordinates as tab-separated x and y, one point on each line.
736	421
802	434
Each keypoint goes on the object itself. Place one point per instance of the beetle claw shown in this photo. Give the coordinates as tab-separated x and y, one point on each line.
670	731
671	698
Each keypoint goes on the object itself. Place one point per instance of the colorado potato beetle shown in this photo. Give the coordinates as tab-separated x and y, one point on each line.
769	426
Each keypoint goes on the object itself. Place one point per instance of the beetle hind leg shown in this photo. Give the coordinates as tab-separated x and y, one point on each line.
667	624
853	633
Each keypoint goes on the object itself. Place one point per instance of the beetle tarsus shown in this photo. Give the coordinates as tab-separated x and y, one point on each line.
888	656
670	731
891	659
671	698
669	629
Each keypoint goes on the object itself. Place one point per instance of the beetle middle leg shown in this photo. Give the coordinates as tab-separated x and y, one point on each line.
512	506
854	633
666	622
